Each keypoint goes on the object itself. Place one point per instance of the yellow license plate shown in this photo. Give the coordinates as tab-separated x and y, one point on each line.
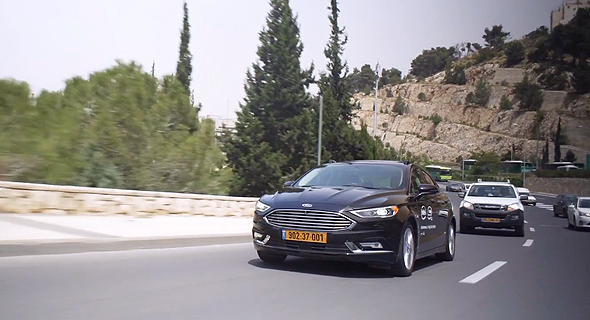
305	236
496	220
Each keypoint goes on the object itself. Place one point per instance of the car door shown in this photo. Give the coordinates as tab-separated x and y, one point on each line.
421	207
558	205
441	209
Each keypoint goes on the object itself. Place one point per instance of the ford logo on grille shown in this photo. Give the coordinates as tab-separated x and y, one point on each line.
307	205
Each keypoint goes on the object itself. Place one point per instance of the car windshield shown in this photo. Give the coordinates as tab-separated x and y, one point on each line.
373	176
491	191
584	203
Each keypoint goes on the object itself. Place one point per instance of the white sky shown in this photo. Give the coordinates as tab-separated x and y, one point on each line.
47	42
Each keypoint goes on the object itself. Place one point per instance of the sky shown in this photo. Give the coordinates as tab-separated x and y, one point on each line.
47	42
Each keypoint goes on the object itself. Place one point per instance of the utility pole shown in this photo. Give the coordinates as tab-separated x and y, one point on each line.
523	168
320	133
537	151
375	105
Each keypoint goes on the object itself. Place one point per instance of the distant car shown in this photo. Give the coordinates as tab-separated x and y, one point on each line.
568	167
578	213
529	198
491	205
384	213
563	201
454	186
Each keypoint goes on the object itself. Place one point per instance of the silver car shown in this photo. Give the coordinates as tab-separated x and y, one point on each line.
578	214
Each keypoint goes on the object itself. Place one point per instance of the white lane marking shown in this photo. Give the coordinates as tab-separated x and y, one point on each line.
532	229
476	277
526	221
545	206
528	243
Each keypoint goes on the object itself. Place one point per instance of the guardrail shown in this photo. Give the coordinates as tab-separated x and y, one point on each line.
18	197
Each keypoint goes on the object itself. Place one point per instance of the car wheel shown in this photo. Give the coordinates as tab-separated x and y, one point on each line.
519	231
449	253
404	265
555	213
534	204
271	258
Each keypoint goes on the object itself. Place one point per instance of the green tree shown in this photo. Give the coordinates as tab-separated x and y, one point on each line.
184	68
495	37
570	156
400	107
514	53
487	162
529	94
505	103
391	76
545	158
557	152
455	75
432	61
274	137
581	80
481	95
362	80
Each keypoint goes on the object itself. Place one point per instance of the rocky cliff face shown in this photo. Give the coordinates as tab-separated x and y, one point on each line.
465	128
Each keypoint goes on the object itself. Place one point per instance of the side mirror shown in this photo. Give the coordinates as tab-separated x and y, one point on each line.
427	188
524	198
571	206
461	195
288	184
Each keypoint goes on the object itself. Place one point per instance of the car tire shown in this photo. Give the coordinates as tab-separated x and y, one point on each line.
449	253
555	213
406	259
271	257
519	231
466	229
534	204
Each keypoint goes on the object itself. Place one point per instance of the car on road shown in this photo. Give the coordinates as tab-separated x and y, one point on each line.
491	205
454	186
386	214
530	199
563	201
578	213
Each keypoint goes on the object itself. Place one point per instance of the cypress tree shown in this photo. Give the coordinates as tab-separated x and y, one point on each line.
274	138
557	156
184	67
546	152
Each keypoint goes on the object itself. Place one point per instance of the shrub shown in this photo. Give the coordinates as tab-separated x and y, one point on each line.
384	125
421	96
400	106
514	53
505	103
436	119
504	83
455	75
581	79
529	94
389	93
553	80
481	95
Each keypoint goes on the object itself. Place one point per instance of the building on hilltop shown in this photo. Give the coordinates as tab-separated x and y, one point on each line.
221	123
567	12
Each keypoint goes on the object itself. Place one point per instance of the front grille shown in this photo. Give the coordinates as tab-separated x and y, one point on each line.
483	206
490	215
308	220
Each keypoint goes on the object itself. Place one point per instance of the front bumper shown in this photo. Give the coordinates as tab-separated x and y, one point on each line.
342	245
583	222
506	219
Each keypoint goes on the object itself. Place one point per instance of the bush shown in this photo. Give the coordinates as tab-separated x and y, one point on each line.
436	119
581	79
455	75
481	95
514	53
553	80
505	103
529	94
389	93
400	106
421	96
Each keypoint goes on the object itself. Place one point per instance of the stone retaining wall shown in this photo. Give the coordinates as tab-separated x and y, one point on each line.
577	186
16	197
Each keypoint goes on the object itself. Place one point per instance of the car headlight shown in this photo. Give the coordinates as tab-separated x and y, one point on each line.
261	207
512	207
467	205
383	212
584	214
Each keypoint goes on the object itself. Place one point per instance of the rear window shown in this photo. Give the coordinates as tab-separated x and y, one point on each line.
491	191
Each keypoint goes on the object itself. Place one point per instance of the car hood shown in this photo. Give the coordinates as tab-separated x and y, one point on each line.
584	210
331	198
492	200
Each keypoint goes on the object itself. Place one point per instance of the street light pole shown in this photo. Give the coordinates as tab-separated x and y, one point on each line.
320	133
375	105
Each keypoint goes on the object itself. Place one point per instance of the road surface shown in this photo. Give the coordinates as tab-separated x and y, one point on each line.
495	275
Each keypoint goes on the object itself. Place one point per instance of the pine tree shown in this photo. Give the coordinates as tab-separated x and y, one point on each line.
184	66
557	156
546	152
274	137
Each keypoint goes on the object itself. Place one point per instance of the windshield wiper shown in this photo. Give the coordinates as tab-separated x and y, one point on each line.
357	185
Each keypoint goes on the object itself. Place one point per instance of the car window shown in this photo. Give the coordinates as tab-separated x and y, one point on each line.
584	203
425	178
415	181
353	175
497	191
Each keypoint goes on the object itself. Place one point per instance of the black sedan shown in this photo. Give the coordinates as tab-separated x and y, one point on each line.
383	213
563	201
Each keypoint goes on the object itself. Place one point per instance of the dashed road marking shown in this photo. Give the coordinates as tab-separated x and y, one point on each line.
476	277
545	206
532	229
528	243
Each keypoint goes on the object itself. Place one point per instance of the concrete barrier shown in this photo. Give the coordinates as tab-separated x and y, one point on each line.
17	197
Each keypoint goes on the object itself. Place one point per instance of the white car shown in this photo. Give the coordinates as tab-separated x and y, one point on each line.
578	214
529	198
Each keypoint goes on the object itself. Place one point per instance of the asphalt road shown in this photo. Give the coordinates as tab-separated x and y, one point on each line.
545	275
